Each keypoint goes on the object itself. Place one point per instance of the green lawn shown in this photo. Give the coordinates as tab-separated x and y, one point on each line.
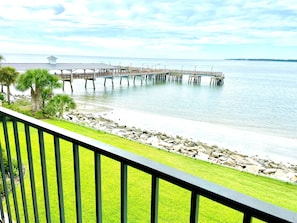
174	202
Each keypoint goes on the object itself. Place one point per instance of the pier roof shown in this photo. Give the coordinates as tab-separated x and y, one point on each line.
58	66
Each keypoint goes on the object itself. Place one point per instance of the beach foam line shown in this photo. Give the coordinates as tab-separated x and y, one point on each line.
277	148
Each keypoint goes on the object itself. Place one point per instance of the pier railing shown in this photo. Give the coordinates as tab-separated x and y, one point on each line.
81	75
17	135
216	78
117	73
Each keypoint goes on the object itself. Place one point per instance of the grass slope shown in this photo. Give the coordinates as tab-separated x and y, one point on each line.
174	202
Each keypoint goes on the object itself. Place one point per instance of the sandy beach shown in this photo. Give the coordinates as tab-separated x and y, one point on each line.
238	140
163	133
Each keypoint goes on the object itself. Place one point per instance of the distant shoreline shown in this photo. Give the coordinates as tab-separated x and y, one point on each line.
272	60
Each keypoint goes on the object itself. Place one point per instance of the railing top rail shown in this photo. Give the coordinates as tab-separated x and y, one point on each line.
199	72
228	197
130	73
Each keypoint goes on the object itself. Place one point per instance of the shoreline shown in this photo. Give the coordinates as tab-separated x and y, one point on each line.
245	141
105	120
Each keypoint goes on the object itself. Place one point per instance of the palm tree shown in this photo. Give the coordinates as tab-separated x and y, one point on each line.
59	104
1	58
8	76
41	84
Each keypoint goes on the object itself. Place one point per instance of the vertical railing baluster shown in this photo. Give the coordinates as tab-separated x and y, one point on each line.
5	188
154	199
20	166
77	183
44	176
7	144
59	178
124	191
252	207
247	218
97	157
31	170
194	207
1	205
2	177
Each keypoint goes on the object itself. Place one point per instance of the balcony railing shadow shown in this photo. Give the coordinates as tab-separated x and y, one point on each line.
19	131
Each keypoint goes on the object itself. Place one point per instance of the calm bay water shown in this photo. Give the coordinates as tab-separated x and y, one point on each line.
254	112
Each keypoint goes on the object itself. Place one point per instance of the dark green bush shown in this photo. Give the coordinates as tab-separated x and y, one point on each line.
6	167
7	173
2	97
2	187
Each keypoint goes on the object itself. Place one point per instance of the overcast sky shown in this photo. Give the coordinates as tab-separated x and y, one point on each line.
198	29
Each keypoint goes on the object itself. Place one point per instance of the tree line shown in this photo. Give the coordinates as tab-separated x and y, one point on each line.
41	85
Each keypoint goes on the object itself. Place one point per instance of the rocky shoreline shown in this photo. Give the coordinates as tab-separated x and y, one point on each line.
198	150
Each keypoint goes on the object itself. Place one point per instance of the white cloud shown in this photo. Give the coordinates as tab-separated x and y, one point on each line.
176	26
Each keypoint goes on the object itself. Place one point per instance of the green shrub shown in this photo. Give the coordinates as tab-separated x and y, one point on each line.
6	169
2	186
2	97
58	105
7	173
6	166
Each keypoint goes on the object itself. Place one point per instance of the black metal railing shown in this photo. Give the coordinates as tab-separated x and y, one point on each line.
15	211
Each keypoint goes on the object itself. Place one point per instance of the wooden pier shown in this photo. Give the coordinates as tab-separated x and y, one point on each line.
68	72
216	78
108	74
